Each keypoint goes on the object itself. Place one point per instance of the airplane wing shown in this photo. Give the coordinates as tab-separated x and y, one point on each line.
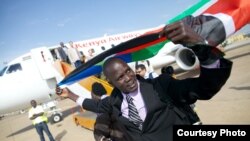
232	15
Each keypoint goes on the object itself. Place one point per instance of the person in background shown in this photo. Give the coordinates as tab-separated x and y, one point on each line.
142	71
147	64
98	91
74	55
39	120
102	124
168	70
63	52
83	57
91	54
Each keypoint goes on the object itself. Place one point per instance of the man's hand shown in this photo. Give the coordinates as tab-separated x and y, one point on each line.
63	92
66	93
181	33
34	116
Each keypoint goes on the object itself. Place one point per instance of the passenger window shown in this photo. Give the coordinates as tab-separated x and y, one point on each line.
103	48
14	68
2	71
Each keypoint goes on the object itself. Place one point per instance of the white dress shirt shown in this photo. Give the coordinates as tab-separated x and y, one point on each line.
137	100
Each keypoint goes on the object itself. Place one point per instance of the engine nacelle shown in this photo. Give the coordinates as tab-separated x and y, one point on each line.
186	59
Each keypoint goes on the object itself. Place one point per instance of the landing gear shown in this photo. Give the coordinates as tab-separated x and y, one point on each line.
57	117
54	112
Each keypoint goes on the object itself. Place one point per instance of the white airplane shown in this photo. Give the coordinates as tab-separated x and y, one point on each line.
33	76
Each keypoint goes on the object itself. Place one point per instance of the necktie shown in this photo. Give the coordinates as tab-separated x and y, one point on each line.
133	113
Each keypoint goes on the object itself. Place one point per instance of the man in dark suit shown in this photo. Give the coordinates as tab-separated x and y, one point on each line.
153	99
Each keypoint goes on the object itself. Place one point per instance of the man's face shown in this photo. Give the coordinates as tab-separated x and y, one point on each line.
33	103
61	44
71	44
141	72
122	77
91	51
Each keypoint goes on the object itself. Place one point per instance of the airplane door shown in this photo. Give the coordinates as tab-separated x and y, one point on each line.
44	61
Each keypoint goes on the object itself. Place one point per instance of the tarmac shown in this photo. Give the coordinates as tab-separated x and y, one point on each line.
229	106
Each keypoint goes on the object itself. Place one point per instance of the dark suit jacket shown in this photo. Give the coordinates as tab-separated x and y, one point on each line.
161	116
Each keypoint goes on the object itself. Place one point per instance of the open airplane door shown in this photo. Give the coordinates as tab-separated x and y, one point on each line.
43	60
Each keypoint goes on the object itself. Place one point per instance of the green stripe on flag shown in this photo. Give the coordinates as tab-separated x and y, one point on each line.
154	49
148	52
189	11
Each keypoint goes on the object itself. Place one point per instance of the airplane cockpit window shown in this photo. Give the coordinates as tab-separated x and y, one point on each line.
14	68
2	71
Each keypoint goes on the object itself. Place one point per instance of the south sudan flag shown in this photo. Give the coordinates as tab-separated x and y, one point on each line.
214	20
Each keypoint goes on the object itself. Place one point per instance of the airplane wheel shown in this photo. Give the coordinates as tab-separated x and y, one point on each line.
56	118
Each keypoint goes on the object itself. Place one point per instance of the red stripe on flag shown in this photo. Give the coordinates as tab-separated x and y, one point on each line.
137	48
134	49
239	10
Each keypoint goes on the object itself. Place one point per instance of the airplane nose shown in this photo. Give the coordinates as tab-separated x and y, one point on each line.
12	95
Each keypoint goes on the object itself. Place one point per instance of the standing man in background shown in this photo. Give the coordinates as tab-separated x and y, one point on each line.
143	72
74	55
39	120
63	51
168	70
147	64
